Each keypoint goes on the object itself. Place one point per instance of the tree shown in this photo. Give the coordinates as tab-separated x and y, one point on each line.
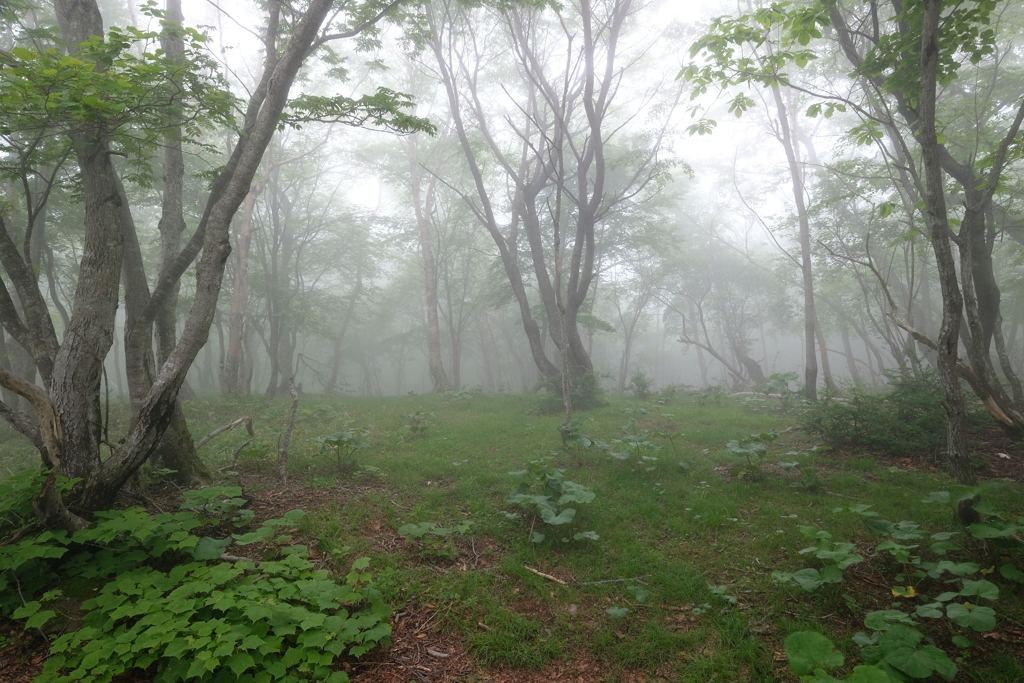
105	102
899	64
559	147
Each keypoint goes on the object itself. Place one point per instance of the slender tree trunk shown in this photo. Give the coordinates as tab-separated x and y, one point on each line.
232	375
357	290
796	177
826	368
851	360
938	228
423	206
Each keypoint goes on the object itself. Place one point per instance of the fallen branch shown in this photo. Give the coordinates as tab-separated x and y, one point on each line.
247	421
234	457
235	558
545	576
435	653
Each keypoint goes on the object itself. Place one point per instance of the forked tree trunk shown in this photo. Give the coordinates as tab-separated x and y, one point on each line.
68	409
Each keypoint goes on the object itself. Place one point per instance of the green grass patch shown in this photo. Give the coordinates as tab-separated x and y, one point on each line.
689	532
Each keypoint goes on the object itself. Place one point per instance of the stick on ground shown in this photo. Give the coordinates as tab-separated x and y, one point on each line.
247	421
545	576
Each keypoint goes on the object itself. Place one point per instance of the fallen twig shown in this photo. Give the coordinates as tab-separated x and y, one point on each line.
435	653
235	558
247	421
545	576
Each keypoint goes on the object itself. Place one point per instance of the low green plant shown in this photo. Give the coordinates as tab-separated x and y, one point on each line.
777	386
892	654
808	473
753	449
640	385
545	494
906	417
836	556
342	445
172	600
574	439
436	541
418	422
671	438
896	648
999	530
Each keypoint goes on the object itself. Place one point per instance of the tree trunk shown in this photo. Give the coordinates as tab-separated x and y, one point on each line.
851	360
231	377
423	206
938	229
796	177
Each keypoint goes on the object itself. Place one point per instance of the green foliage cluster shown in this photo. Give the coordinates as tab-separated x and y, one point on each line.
637	442
123	79
546	493
896	648
753	450
640	385
777	386
418	423
906	418
342	446
435	540
164	597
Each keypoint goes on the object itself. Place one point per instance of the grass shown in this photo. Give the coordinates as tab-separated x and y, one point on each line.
676	532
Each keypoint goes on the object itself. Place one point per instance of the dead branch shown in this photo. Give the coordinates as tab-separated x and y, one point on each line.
545	576
247	421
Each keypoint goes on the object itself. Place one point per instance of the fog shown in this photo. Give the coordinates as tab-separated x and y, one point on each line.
565	202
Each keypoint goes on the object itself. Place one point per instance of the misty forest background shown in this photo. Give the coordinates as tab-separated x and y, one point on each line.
367	264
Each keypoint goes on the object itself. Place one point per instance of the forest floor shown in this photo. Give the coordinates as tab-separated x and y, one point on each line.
678	586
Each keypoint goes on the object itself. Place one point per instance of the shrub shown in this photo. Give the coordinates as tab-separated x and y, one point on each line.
906	417
170	601
640	385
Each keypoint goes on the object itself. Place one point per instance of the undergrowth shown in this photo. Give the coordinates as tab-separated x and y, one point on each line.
160	597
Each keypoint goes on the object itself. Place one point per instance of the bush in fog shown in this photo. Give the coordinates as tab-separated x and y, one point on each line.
905	417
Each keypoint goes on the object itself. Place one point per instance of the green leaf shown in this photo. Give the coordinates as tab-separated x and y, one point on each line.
922	662
617	612
210	548
990	531
40	618
983	589
564	517
883	620
27	610
1011	573
808	651
971	616
240	661
962	641
868	674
